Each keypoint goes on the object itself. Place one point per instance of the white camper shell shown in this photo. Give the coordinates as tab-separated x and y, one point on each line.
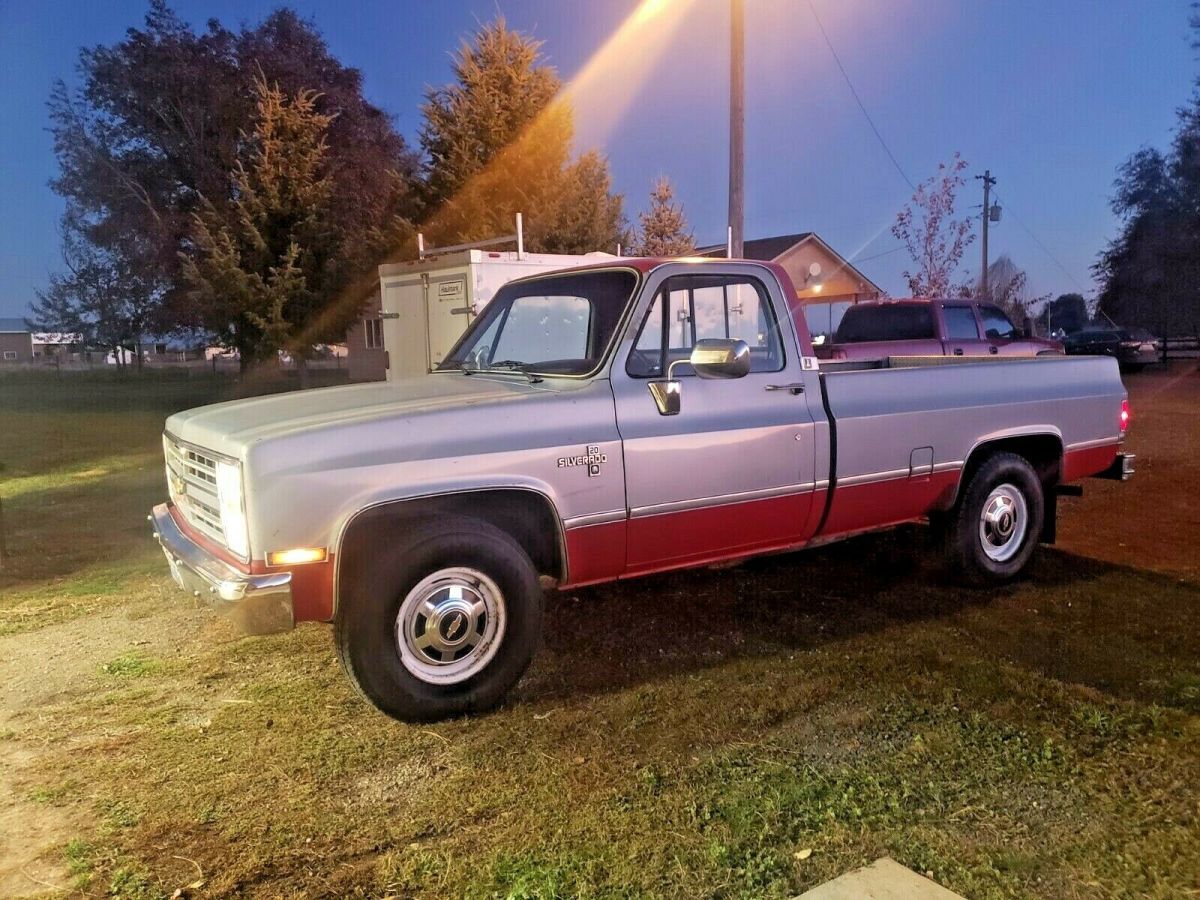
429	302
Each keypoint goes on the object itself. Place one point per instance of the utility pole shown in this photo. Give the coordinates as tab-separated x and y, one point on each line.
737	126
988	181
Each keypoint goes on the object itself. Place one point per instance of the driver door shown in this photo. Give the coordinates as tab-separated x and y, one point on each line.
733	472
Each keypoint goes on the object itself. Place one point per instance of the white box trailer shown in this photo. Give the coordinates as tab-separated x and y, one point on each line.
428	303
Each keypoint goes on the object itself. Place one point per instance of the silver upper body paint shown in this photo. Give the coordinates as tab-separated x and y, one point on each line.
597	448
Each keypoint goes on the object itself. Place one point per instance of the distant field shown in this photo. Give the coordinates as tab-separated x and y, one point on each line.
683	735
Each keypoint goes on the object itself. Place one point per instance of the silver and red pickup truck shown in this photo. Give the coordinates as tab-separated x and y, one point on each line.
603	423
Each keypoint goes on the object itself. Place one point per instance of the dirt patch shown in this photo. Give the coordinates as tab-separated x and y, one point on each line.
1151	521
36	669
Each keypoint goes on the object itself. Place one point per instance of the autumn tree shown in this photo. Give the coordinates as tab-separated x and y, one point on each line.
269	273
154	131
662	229
935	240
497	141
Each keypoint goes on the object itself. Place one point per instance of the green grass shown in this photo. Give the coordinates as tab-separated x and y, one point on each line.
130	665
689	735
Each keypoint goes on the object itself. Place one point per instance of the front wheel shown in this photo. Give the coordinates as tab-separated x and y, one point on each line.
443	624
994	529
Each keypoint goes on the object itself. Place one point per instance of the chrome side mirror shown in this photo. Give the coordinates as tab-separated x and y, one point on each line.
710	358
720	358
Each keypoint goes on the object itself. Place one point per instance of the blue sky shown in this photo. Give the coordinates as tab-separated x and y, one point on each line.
1051	95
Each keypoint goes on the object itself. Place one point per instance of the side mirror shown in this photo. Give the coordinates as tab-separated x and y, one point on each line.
710	358
720	358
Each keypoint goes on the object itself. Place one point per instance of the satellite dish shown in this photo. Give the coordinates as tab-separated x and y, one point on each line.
814	269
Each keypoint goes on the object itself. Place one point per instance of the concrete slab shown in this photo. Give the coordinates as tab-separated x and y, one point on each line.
884	879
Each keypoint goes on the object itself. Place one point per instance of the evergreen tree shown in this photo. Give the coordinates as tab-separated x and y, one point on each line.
1068	312
663	230
498	141
1150	273
273	268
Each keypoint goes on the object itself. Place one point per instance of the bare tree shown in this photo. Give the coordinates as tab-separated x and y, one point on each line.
935	239
102	296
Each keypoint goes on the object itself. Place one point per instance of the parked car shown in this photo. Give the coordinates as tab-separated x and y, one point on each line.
1133	348
878	329
599	424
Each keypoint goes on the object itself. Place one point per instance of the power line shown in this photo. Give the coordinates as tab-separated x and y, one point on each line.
1044	248
858	259
857	99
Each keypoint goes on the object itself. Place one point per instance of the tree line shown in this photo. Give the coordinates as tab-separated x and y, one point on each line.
238	182
1150	273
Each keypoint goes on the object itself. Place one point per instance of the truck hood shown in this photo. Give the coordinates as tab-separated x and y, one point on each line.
231	428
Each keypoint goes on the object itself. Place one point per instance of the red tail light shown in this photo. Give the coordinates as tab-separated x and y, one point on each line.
1124	415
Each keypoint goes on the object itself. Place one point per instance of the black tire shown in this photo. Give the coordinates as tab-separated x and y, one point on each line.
966	553
365	628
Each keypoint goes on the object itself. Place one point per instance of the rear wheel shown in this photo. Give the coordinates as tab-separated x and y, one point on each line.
993	530
443	624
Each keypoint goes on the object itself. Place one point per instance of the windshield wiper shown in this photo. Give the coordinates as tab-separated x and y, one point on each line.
511	365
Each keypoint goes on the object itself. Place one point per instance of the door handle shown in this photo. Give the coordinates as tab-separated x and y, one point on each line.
993	350
794	388
958	351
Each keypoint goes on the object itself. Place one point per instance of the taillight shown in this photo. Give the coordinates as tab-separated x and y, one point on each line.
1124	415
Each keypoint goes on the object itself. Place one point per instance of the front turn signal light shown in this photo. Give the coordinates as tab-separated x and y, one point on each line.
297	557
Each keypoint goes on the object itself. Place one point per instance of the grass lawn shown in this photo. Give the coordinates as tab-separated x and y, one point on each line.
745	732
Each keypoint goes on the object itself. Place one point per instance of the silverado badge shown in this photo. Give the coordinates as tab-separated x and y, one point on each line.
592	458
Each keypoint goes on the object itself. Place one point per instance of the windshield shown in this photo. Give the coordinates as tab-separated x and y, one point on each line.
557	325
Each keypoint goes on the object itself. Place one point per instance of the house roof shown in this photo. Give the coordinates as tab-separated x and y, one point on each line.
14	326
772	248
760	248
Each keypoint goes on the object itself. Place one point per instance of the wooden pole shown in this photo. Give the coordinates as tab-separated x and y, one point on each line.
3	546
737	126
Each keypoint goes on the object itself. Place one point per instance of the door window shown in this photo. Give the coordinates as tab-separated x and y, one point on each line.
960	323
706	306
995	324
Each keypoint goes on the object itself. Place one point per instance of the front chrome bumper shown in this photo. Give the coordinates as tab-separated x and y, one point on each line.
258	604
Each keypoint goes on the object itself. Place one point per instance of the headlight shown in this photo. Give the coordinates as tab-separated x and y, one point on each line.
233	510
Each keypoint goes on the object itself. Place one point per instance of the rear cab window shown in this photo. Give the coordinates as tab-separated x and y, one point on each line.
895	322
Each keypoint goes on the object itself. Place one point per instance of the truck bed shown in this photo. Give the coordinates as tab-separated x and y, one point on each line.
901	430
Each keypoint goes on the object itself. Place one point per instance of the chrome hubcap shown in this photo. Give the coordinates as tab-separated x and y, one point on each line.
1003	522
450	625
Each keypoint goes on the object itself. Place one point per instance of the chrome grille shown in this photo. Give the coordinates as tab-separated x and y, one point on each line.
192	484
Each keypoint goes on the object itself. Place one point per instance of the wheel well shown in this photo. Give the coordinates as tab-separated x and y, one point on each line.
525	515
1043	451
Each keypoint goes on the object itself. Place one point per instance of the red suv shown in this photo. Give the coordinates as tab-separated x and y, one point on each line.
883	328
